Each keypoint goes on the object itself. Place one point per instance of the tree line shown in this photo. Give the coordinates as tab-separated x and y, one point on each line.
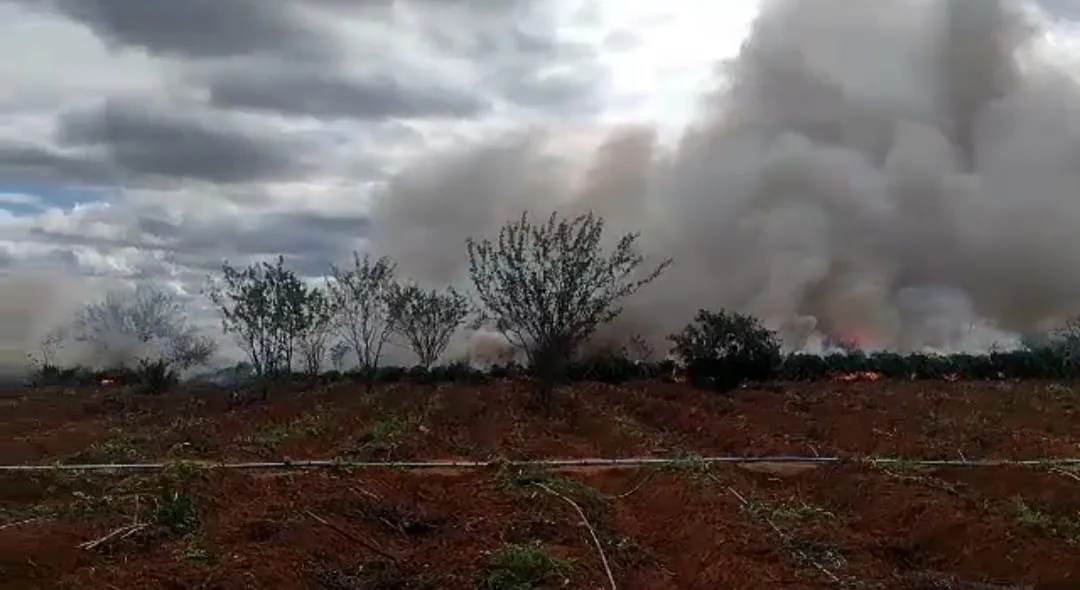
544	285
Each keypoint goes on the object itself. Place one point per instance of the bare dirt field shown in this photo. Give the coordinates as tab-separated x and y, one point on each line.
688	524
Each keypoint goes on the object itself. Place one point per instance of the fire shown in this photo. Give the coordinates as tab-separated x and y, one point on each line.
107	382
856	338
858	376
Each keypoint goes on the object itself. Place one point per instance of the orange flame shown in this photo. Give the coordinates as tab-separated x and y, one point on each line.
107	382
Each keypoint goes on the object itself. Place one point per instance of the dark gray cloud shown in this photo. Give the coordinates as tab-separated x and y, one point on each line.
514	46
141	139
322	238
272	55
328	94
27	162
202	28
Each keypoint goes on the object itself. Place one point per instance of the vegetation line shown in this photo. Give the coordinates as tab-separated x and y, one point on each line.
550	463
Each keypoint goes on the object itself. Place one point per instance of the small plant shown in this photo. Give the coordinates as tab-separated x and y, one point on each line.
181	472
270	435
176	512
523	566
385	436
194	550
806	551
691	463
527	478
1067	528
116	447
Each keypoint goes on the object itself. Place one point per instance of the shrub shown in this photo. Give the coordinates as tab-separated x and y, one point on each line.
156	376
546	286
723	350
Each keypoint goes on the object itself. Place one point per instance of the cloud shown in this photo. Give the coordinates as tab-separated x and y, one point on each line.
438	60
26	162
203	29
19	199
141	138
287	90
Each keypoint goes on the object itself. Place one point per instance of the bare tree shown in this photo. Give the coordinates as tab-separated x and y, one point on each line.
548	285
315	330
43	362
427	319
48	348
147	325
361	297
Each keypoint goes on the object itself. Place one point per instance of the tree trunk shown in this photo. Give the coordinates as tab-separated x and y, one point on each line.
549	368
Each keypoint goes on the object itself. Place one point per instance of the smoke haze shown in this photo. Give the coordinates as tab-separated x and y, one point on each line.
34	303
902	173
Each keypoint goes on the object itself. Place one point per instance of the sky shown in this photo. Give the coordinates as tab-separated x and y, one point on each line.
150	141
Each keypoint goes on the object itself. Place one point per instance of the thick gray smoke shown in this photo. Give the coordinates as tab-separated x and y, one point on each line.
903	173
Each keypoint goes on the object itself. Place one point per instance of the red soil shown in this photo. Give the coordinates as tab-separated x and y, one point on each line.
748	526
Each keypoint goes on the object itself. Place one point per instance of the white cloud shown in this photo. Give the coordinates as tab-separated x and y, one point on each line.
664	55
53	62
19	199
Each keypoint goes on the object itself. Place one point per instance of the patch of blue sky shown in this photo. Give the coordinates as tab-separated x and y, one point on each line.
29	199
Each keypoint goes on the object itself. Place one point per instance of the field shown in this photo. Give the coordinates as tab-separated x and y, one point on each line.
686	524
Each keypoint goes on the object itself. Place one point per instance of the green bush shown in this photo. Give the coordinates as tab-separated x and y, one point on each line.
723	350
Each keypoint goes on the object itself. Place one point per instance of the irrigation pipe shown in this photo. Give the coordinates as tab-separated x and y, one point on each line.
548	463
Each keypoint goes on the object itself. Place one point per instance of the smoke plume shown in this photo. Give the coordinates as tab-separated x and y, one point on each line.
31	305
899	173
